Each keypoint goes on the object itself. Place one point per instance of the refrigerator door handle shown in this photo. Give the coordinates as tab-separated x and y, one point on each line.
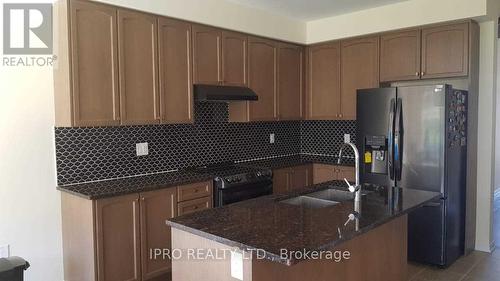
390	136
398	136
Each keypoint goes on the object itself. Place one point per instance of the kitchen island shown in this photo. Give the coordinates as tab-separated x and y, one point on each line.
315	233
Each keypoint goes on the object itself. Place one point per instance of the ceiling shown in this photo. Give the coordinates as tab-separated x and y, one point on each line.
313	9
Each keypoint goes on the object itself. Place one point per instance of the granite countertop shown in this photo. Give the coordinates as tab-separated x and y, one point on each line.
116	187
297	160
266	224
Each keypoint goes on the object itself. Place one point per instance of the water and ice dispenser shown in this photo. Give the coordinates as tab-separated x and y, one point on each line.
375	157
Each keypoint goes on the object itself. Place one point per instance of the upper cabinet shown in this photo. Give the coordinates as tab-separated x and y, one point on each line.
432	52
360	70
94	67
323	81
234	59
138	69
445	51
262	66
207	68
176	86
400	56
290	82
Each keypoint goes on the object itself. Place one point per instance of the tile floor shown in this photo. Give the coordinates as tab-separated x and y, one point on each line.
477	266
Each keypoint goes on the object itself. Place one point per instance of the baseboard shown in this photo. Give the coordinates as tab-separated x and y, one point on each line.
486	248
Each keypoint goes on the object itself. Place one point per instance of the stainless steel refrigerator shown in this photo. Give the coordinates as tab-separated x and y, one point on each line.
415	137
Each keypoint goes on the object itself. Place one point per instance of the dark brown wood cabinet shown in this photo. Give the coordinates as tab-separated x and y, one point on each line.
155	208
445	51
290	82
323	81
138	68
207	45
94	66
360	70
117	238
287	179
262	66
323	173
400	56
234	59
176	95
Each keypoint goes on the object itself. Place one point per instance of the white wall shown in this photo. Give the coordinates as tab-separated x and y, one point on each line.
396	16
224	14
486	135
29	203
497	125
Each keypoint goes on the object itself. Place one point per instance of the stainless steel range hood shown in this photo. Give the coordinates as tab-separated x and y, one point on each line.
204	92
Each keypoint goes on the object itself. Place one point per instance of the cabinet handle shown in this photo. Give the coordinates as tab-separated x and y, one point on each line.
340	115
422	73
142	198
417	74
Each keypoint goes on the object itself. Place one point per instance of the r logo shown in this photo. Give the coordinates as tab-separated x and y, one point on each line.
27	29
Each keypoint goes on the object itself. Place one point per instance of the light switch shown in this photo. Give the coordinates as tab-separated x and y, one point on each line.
272	138
347	138
141	149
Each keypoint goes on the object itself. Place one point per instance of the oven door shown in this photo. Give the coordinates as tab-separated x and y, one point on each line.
243	192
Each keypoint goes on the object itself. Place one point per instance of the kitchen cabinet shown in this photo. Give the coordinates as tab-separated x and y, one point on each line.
117	238
176	94
262	66
287	179
445	51
400	54
155	208
110	238
207	67
359	70
323	81
323	173
138	69
290	82
234	59
94	99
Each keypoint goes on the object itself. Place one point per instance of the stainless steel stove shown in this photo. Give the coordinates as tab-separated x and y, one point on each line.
234	182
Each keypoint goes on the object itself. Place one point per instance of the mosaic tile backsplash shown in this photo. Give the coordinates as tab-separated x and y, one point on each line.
96	153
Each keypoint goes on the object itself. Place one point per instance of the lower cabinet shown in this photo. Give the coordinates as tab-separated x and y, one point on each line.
292	178
110	239
324	173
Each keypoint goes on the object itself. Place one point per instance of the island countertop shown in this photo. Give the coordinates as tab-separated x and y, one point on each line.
268	225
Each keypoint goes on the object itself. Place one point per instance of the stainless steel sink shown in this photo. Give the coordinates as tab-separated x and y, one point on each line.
332	195
309	202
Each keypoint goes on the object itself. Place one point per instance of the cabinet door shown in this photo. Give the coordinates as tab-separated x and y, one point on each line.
176	96
138	68
300	177
323	81
360	70
117	238
234	59
445	51
281	180
206	55
323	173
290	77
262	78
400	56
348	173
94	61
156	208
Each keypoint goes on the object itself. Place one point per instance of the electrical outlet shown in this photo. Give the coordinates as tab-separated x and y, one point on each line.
347	138
4	251
141	149
272	138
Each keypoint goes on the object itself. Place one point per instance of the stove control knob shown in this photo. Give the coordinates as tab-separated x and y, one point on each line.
237	179
259	174
229	180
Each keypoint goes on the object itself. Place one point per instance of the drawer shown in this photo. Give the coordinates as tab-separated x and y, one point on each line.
194	205
193	191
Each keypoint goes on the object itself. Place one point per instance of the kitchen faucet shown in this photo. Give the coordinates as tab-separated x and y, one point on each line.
357	187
